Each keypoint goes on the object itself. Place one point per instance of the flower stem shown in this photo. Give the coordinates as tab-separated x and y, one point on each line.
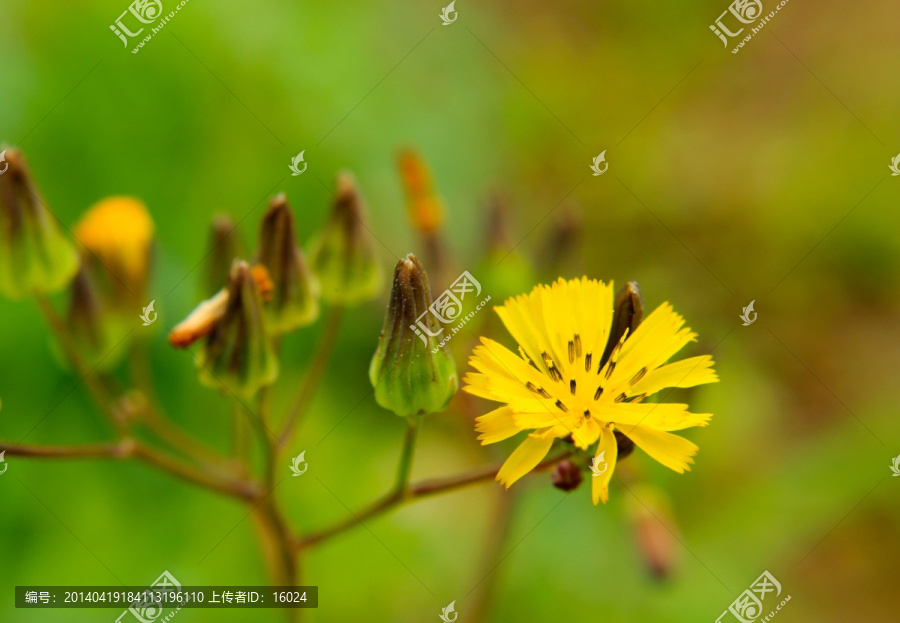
313	375
415	491
404	467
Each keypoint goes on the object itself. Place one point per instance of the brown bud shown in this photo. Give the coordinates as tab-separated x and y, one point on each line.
566	475
628	313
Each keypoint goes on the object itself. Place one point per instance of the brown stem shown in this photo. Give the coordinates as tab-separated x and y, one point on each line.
122	449
418	490
313	375
277	543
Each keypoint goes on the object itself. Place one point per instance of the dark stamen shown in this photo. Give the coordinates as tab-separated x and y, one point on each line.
620	397
531	386
578	346
637	398
572	386
571	351
598	393
587	414
610	368
561	406
587	362
637	377
543	392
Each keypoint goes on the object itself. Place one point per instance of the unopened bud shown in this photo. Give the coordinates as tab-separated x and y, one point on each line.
343	256
566	475
224	246
294	299
35	257
627	315
412	373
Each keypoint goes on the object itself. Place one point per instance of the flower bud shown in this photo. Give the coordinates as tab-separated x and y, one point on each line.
654	529
118	231
343	256
426	212
294	303
238	356
224	246
35	257
94	333
411	372
566	475
628	311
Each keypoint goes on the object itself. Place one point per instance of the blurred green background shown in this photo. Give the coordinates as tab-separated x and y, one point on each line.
757	176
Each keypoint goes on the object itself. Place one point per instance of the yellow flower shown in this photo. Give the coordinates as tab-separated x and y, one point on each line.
560	387
119	231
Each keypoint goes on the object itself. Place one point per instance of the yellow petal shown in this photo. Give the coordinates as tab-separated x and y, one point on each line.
607	451
661	416
525	458
496	426
671	450
684	373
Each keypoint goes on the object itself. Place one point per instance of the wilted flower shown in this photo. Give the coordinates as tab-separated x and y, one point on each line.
35	257
411	373
119	232
343	256
204	318
224	246
560	386
238	355
294	303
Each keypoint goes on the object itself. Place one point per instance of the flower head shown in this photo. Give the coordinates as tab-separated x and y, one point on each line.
238	355
426	211
561	386
343	256
35	257
412	373
119	232
294	303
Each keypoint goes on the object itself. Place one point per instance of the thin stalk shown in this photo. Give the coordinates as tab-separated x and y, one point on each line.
92	382
313	375
404	467
415	491
128	448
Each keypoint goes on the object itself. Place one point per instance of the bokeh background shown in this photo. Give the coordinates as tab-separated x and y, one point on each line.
757	176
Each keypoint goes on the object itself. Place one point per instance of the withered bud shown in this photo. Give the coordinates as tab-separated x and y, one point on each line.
238	355
566	475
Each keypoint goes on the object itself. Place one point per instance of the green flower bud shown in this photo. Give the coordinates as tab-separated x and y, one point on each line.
35	257
411	373
224	246
94	331
294	302
344	255
237	355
